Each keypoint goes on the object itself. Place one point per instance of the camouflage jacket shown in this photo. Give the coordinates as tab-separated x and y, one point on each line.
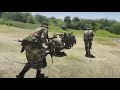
88	35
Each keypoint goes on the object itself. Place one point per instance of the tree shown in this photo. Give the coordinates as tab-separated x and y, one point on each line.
75	19
115	28
1	14
30	19
54	20
76	23
40	19
67	21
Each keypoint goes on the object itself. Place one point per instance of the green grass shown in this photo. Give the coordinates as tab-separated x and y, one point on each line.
19	24
103	33
105	41
54	29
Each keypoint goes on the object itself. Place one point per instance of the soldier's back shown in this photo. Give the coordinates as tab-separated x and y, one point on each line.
88	34
57	42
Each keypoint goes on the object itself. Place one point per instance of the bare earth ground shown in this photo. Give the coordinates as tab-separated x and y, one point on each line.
106	63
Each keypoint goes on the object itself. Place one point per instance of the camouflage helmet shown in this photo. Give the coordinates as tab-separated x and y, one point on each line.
89	28
65	34
45	24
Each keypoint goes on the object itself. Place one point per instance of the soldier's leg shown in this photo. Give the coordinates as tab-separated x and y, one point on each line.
90	43
69	44
38	74
86	47
25	69
65	44
44	62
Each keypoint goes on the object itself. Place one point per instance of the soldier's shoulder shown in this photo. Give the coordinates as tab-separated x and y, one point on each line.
91	30
37	29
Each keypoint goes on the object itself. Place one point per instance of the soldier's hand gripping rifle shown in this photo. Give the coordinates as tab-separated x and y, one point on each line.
23	47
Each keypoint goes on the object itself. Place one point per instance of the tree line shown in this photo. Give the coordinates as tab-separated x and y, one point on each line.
71	23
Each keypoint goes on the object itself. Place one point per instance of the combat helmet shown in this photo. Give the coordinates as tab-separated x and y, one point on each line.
45	24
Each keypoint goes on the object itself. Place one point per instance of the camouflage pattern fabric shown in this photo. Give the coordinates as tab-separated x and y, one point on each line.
35	57
35	52
88	37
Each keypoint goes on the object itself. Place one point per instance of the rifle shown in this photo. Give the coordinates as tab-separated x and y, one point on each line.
23	47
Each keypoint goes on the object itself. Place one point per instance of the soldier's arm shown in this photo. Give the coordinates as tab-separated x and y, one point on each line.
92	34
84	36
44	37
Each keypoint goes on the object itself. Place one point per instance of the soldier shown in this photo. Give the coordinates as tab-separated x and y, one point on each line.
88	38
73	38
66	40
58	45
71	41
35	52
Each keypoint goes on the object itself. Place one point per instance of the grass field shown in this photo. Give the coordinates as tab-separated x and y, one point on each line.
106	63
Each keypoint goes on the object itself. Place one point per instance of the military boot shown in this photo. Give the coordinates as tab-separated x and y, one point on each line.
39	75
21	75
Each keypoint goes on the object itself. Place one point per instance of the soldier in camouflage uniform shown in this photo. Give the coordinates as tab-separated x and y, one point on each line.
58	45
71	41
66	40
88	38
73	38
35	52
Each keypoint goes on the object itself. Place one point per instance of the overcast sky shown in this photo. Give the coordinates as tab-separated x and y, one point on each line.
82	15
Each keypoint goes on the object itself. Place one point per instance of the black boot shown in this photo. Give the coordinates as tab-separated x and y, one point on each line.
21	75
25	69
39	75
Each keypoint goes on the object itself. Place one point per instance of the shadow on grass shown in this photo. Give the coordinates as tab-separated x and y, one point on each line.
90	56
60	54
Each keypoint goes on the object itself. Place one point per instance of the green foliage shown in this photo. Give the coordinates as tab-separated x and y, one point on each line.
67	21
103	33
115	28
75	23
40	18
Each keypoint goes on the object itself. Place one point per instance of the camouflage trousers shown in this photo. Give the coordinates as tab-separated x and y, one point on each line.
36	57
88	45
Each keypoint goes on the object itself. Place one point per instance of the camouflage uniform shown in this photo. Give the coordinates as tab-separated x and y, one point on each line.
35	52
73	38
66	40
88	38
58	45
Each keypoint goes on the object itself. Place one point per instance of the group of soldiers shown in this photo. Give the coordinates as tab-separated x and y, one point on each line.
38	44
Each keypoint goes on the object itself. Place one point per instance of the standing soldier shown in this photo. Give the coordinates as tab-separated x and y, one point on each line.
88	38
35	52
